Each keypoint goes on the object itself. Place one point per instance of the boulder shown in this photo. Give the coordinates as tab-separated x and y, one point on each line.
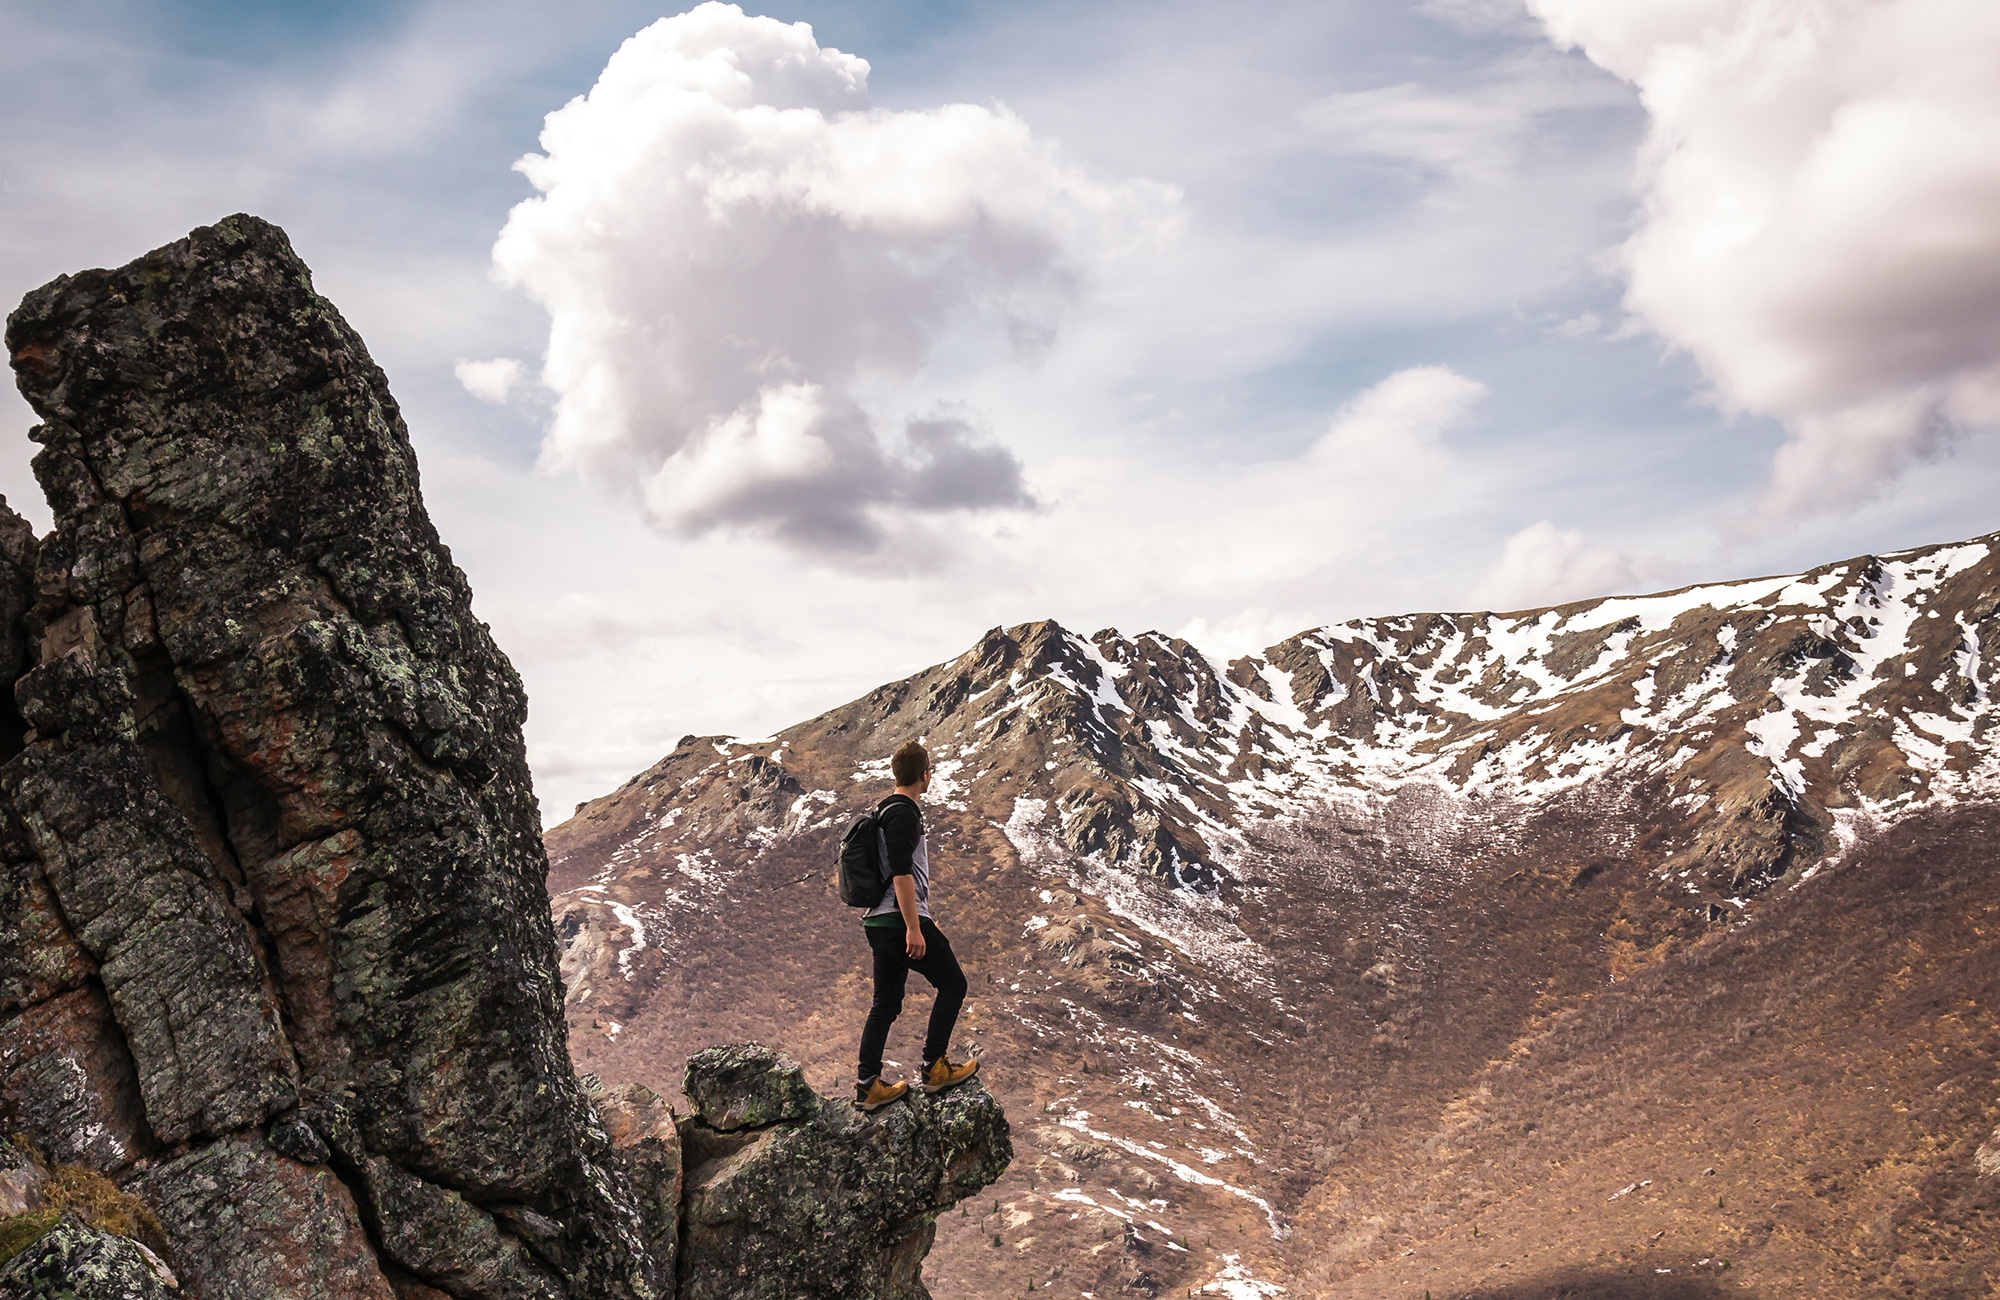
802	1196
74	1261
747	1085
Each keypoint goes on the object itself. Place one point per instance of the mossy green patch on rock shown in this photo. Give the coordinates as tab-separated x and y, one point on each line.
99	1202
88	1195
20	1231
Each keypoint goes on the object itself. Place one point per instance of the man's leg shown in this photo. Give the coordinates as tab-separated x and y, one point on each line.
940	966
891	969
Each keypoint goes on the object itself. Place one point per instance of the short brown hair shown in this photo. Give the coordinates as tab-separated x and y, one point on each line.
909	764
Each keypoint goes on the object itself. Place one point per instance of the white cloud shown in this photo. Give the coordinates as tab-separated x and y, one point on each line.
733	244
490	381
1822	188
1244	632
1588	325
1545	565
1475	134
1394	430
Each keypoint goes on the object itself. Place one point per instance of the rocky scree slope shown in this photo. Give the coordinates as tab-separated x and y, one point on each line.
277	956
1232	925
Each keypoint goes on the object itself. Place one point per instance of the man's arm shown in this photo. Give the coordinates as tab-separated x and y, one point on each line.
906	903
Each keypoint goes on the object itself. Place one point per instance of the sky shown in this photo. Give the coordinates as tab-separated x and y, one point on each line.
757	356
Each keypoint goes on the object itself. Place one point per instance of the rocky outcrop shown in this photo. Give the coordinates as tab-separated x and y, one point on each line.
278	951
791	1195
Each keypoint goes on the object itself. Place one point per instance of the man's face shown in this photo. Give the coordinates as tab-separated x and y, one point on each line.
924	781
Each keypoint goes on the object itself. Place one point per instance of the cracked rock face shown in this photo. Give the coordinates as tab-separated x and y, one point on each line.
270	862
791	1195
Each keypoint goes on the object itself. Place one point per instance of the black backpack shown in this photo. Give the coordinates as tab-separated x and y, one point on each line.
864	861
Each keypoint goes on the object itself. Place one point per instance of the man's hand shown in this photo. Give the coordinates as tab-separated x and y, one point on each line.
913	943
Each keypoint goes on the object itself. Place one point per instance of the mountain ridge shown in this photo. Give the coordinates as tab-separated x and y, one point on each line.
1242	931
1305	718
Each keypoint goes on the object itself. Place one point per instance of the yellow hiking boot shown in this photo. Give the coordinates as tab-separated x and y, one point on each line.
875	1094
941	1074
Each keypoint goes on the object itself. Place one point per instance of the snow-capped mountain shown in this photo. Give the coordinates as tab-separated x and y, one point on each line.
1177	866
1769	709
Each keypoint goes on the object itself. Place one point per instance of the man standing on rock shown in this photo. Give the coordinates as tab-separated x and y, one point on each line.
904	938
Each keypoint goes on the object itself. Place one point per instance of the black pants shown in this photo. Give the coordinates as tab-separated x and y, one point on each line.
892	967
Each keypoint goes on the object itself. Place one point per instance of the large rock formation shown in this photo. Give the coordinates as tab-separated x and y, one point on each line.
274	878
791	1195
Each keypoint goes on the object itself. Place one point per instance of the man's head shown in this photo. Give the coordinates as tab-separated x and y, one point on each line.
910	765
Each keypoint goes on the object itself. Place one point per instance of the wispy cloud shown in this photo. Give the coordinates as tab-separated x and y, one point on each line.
1546	565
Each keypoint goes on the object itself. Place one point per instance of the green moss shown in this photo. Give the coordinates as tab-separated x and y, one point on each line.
20	1231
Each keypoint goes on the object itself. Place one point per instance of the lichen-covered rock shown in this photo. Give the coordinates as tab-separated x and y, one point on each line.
66	1083
17	590
240	1215
40	960
824	1202
74	1261
747	1085
274	787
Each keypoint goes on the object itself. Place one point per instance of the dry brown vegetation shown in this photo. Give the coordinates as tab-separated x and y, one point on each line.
72	1189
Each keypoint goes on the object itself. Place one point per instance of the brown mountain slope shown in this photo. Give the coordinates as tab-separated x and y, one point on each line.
1802	1098
1290	966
